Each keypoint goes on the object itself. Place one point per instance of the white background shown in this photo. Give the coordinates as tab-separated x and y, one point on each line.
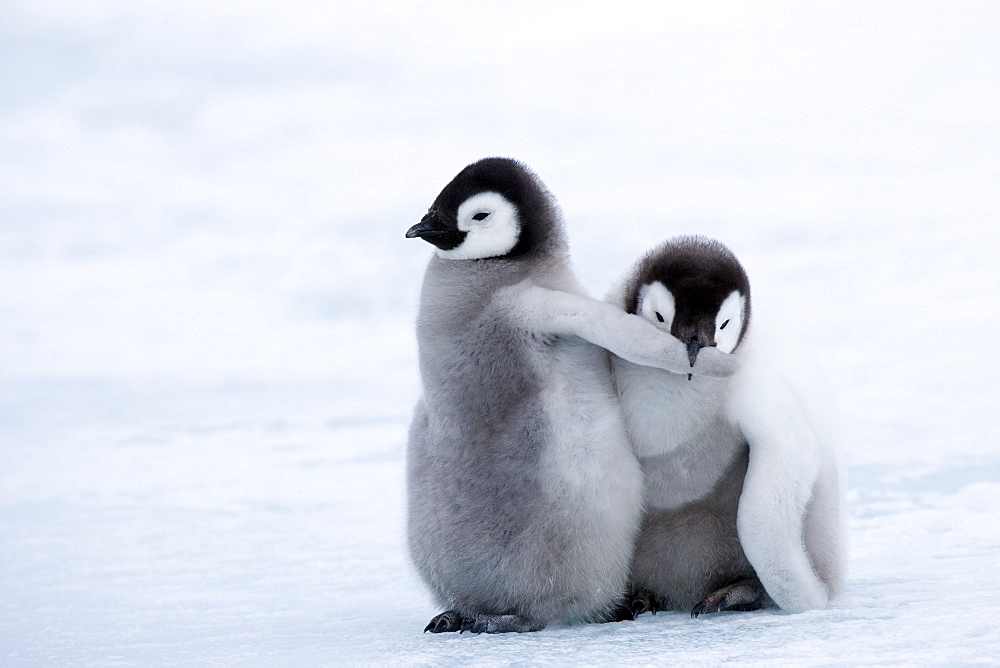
207	360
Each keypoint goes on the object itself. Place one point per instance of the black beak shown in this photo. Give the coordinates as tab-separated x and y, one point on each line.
693	349
429	226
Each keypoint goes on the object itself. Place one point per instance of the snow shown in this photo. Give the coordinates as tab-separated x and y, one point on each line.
207	360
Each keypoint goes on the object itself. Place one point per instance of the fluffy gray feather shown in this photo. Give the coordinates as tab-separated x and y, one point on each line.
524	497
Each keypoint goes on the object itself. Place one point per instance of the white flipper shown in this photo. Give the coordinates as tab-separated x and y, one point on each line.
629	336
784	414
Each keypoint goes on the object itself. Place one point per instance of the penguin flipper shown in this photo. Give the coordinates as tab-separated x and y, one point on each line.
628	336
786	460
745	595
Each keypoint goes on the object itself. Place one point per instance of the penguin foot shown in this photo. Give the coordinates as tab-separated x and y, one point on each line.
634	605
446	622
745	595
499	624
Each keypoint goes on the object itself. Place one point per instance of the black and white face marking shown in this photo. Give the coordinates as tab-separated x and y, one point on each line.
491	228
696	289
494	208
729	322
485	225
657	304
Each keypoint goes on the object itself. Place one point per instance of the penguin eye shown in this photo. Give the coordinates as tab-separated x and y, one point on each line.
660	317
482	215
723	325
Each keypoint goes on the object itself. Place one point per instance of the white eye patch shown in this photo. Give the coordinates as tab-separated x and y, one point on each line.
656	304
491	225
729	322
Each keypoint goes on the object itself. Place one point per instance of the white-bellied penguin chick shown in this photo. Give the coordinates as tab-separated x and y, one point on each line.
524	497
742	480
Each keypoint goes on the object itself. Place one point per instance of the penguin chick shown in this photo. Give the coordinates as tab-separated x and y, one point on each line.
742	481
523	494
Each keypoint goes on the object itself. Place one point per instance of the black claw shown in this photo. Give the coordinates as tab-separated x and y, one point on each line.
634	605
622	613
743	596
445	622
703	609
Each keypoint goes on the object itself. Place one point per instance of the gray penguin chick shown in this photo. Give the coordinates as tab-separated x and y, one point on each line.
524	496
742	480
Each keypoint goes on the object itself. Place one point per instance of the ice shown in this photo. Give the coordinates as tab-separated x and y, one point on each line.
207	361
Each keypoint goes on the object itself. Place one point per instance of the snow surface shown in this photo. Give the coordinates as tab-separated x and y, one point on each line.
207	360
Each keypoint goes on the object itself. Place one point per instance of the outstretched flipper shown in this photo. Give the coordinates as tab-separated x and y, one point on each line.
742	596
626	335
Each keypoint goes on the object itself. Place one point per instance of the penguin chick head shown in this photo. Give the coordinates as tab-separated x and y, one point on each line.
696	289
495	207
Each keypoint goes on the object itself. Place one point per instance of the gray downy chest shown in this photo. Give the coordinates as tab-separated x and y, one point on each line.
678	430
